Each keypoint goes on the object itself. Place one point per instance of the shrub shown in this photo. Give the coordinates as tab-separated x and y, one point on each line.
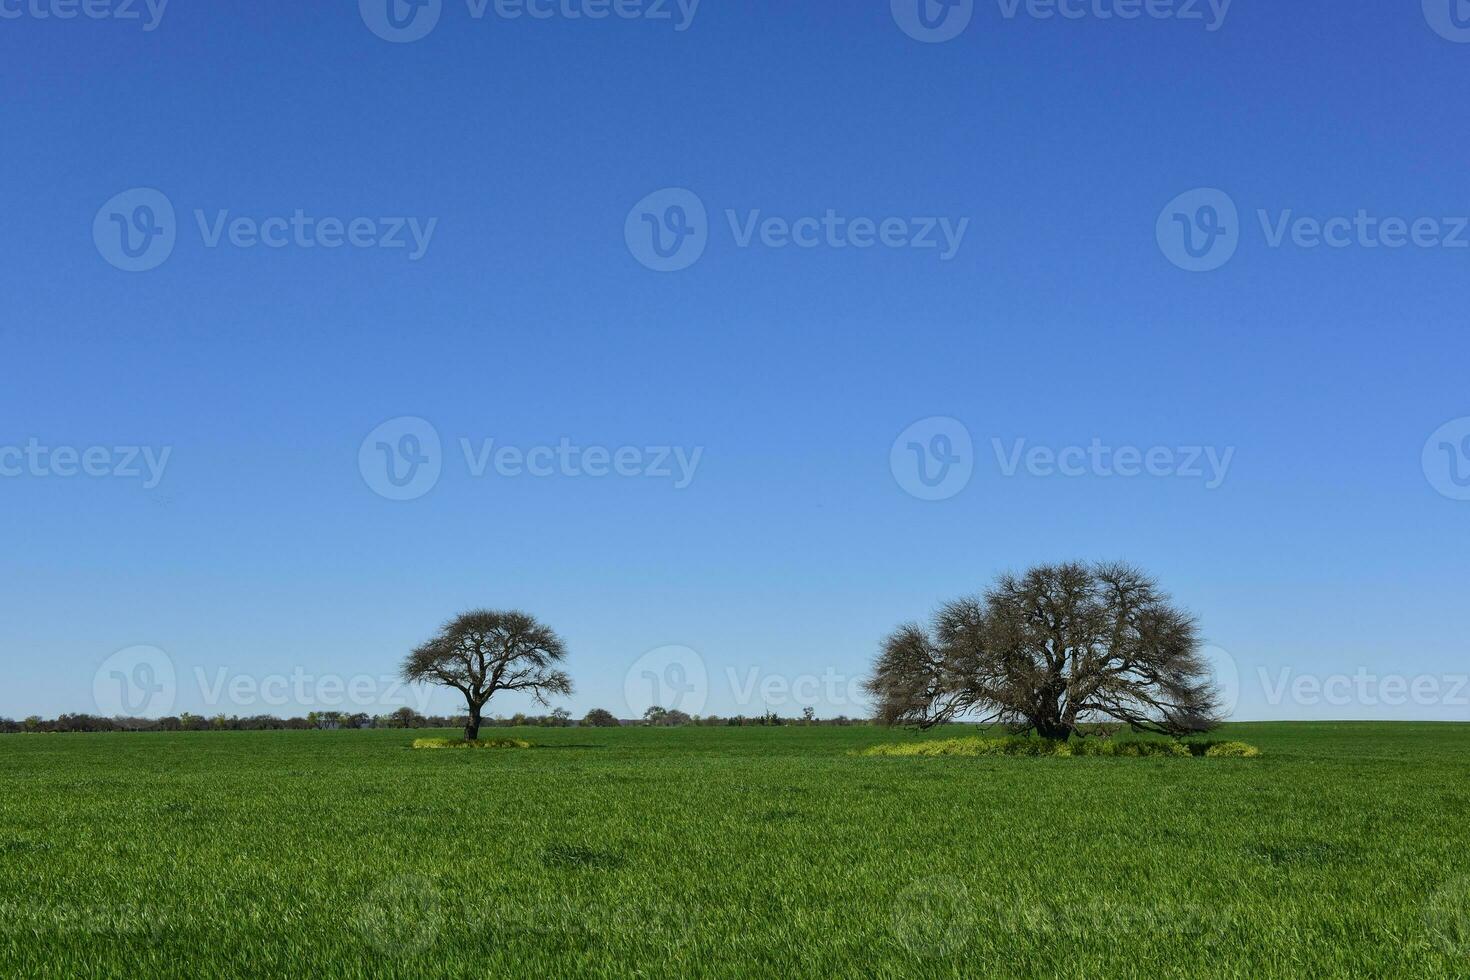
1011	745
1231	750
1015	745
479	743
1129	749
600	718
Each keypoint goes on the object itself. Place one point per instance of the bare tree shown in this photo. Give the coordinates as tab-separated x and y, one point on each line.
485	651
1050	651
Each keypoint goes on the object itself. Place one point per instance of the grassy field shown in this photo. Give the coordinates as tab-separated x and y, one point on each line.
722	851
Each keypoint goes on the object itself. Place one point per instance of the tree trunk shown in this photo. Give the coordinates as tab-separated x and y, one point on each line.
472	727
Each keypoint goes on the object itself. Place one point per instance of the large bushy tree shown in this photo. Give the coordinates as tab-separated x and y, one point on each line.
1050	651
483	652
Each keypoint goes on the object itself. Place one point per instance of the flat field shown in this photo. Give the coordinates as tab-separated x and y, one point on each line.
1344	851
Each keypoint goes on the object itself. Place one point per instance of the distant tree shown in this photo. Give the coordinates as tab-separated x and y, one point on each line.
809	716
655	715
599	718
673	717
406	717
560	718
483	652
1051	651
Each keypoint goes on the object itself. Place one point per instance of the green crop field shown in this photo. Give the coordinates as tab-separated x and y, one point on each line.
1343	851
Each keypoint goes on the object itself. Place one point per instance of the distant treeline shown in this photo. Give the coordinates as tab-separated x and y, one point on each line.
402	718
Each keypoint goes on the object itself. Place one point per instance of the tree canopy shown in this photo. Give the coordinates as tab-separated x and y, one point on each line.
1050	651
483	652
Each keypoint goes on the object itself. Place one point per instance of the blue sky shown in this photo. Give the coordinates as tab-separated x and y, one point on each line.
1332	544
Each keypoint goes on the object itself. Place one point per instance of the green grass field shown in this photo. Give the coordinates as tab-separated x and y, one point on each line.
730	851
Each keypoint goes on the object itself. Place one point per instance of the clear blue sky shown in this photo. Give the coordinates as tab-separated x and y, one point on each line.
264	550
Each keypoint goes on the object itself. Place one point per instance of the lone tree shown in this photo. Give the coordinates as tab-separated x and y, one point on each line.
1049	651
485	651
